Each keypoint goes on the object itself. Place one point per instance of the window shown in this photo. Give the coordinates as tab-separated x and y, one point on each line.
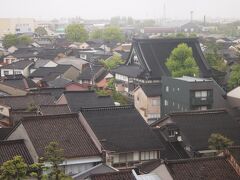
125	157
148	155
171	133
121	77
167	88
17	72
83	56
156	102
201	108
201	94
153	115
165	103
6	72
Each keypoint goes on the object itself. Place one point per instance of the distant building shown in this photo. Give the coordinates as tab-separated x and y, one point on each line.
189	93
146	62
16	26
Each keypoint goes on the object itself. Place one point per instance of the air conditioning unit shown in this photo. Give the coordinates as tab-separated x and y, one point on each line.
179	138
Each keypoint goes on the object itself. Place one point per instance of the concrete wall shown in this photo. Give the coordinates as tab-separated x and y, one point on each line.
4	110
162	172
12	91
72	74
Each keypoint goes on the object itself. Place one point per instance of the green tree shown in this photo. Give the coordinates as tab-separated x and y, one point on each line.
181	62
41	31
14	169
213	58
218	142
115	21
76	33
234	79
112	62
24	40
9	40
54	155
113	33
97	34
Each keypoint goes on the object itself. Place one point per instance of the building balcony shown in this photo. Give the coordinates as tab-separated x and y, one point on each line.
201	101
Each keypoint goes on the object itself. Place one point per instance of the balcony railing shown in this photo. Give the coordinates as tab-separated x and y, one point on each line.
200	101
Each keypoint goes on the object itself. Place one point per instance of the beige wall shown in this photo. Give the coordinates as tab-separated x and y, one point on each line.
162	172
72	73
4	110
8	25
62	100
144	104
11	90
21	133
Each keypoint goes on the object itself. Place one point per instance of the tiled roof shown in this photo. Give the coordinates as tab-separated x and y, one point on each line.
120	175
197	126
55	92
59	82
172	150
22	64
149	166
235	152
130	70
153	53
45	72
80	99
98	169
50	53
121	129
54	109
89	72
202	168
19	82
65	129
4	132
151	90
25	53
12	148
16	116
23	102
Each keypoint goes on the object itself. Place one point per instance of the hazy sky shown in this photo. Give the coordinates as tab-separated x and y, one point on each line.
95	9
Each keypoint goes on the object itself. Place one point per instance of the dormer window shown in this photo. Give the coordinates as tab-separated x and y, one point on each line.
171	133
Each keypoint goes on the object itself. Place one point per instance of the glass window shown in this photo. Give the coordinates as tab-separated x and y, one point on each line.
171	133
165	102
6	72
155	102
167	88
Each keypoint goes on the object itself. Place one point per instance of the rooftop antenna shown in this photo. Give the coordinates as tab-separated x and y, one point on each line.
164	12
191	15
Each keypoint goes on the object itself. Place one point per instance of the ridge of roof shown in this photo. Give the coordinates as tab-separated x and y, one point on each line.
198	112
28	94
11	141
29	118
164	39
105	108
179	161
211	111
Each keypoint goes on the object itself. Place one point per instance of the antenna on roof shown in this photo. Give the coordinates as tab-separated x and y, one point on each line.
191	15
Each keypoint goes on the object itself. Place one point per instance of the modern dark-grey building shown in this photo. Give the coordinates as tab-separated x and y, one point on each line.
190	93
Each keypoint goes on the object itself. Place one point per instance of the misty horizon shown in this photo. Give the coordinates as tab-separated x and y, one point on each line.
93	9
